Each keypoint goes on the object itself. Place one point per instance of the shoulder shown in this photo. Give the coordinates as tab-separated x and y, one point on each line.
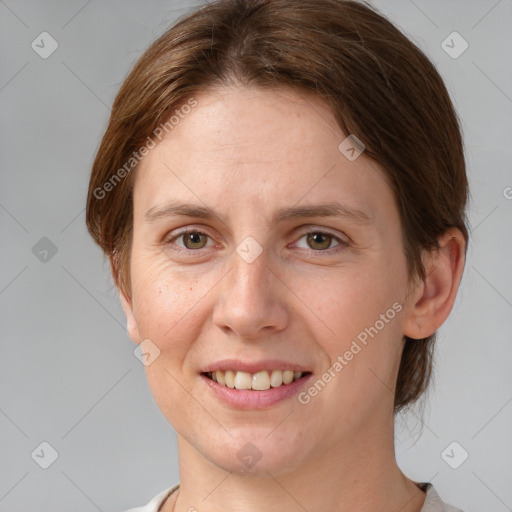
156	502
434	503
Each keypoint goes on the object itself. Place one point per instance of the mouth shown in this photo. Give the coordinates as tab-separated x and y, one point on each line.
257	381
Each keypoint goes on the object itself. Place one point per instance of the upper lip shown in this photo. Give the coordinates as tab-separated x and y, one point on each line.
254	366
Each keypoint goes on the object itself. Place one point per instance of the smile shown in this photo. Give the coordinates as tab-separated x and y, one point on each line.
259	381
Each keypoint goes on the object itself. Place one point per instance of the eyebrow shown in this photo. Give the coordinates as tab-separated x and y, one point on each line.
333	209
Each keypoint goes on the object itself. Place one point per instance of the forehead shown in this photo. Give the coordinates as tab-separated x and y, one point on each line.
254	147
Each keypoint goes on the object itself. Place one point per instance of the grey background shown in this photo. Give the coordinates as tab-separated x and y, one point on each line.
68	375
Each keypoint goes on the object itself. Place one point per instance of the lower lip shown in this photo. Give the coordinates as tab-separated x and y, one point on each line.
250	399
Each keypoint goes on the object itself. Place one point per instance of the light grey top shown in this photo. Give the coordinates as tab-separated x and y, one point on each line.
433	502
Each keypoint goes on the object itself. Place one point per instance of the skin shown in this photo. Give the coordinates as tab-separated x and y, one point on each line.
246	153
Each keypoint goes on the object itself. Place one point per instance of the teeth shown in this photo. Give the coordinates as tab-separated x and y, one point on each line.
287	376
229	379
259	381
243	380
276	379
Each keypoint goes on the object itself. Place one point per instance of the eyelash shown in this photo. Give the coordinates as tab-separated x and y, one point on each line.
342	244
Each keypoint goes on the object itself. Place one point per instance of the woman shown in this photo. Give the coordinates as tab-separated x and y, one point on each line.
281	193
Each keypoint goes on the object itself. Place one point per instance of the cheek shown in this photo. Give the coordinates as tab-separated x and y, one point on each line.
348	300
160	295
166	309
169	306
362	310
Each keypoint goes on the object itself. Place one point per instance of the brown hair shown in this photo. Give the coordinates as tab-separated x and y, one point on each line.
380	87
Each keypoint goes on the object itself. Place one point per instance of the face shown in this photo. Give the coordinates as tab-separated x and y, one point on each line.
268	281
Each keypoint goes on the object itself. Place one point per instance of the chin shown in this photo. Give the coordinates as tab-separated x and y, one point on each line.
255	452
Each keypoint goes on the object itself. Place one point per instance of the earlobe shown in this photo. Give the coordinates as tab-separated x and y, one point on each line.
131	323
433	299
126	303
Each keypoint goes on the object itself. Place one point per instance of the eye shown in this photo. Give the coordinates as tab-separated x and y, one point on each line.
316	240
192	239
320	241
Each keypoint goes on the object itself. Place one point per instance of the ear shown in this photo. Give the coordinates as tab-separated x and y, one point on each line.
131	324
433	298
126	302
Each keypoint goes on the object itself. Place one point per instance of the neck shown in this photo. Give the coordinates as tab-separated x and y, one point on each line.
358	476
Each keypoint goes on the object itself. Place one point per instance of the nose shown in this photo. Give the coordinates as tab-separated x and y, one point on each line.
251	301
